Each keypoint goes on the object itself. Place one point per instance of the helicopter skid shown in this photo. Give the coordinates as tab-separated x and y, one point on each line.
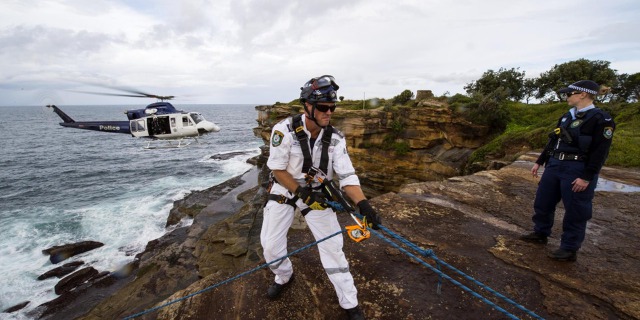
169	144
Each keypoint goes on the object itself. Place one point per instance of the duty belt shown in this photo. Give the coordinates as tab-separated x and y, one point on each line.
568	156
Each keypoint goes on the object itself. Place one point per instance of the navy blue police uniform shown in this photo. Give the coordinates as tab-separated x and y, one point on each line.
577	148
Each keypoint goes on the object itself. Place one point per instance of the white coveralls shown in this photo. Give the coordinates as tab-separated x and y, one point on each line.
286	154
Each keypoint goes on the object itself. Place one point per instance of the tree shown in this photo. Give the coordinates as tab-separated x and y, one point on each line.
627	88
403	97
508	82
567	73
529	89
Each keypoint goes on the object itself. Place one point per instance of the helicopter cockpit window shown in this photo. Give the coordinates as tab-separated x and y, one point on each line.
197	117
186	121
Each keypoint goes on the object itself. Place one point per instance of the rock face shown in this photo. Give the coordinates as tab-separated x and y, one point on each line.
392	148
470	222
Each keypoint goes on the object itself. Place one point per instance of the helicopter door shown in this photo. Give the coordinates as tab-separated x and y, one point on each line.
188	126
138	128
158	125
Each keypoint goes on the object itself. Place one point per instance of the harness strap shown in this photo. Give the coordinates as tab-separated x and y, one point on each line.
281	199
303	138
326	142
304	142
305	211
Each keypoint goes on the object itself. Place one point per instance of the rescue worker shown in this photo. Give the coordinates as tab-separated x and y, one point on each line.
574	155
298	145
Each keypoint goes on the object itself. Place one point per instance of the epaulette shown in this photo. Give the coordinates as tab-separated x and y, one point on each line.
338	132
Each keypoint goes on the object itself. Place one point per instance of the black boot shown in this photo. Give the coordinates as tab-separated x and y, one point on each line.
564	255
534	237
276	289
355	313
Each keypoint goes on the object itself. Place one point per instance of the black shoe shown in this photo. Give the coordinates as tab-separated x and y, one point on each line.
534	237
275	289
355	313
564	255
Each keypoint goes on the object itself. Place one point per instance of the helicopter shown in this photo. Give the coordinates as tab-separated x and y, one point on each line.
157	121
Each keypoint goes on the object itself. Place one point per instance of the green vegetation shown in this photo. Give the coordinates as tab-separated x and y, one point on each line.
496	101
530	125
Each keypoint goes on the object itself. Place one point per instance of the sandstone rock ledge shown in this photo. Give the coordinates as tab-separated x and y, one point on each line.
471	222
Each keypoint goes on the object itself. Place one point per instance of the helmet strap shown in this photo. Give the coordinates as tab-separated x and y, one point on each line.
313	111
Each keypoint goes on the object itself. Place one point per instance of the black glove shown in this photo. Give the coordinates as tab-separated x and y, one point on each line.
315	200
371	217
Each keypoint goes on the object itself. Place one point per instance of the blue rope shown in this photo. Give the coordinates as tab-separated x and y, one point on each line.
233	278
440	273
429	253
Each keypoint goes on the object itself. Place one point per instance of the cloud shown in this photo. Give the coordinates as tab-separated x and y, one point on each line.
248	51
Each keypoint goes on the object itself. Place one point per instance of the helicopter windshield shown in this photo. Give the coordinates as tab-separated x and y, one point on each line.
197	118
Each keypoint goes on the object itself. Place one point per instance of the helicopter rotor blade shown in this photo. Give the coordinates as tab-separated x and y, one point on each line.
138	92
134	93
110	94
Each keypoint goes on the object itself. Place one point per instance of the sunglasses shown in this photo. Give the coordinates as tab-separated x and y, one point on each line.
325	108
569	94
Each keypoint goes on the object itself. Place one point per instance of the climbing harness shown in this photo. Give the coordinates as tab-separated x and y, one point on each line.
303	138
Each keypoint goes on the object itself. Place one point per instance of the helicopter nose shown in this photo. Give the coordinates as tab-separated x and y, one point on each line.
207	126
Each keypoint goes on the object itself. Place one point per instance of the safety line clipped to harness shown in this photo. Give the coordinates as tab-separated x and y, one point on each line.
338	202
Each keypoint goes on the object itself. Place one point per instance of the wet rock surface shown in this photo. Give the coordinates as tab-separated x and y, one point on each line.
62	270
66	251
471	223
16	307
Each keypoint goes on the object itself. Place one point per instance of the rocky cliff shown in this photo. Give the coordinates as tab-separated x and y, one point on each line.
390	147
470	222
214	269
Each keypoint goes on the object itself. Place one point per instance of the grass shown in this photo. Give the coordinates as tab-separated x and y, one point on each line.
531	124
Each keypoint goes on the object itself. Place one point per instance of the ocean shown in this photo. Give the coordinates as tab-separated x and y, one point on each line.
63	185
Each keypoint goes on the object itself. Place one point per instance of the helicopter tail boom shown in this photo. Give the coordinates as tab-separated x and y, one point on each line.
105	126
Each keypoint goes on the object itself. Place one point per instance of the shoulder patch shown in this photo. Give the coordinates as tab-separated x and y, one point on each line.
276	138
608	132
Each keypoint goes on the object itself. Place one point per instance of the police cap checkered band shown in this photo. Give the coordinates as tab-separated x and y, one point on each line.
587	86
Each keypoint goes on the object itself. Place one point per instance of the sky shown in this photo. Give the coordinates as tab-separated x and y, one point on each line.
262	52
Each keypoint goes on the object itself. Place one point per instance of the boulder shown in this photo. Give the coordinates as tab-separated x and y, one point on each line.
75	279
17	307
61	271
63	252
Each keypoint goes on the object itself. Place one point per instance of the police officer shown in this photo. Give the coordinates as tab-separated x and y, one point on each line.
299	145
574	155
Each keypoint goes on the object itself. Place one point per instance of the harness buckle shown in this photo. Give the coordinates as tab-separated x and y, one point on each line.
561	156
